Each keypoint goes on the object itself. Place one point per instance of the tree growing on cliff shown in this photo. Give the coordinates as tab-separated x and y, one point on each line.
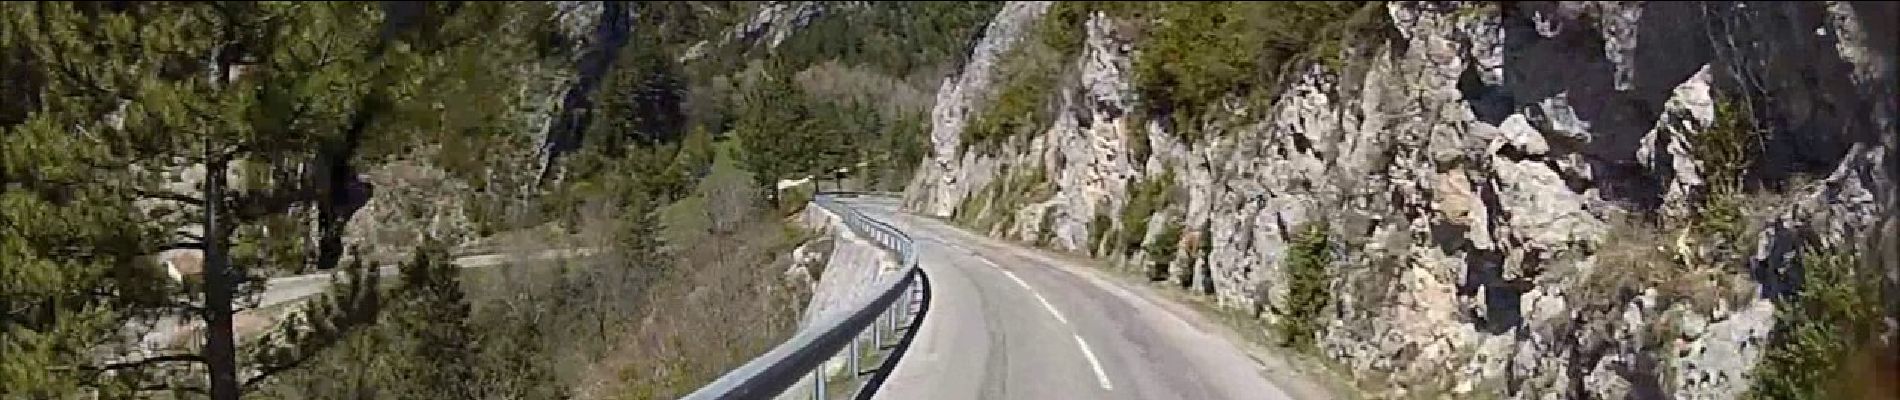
1826	341
1308	290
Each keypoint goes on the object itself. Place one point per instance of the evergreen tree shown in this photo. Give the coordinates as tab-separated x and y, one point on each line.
639	102
772	127
696	152
432	312
265	104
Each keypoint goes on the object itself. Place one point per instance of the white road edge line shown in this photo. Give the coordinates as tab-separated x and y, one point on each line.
1032	291
1093	362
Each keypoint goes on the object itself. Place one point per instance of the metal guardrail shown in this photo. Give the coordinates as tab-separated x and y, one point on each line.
805	354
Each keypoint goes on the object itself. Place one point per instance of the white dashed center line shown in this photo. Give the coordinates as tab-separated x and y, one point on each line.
1046	305
1101	375
1093	362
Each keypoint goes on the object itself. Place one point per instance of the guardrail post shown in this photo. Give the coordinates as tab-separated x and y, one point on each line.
818	382
896	312
910	295
853	364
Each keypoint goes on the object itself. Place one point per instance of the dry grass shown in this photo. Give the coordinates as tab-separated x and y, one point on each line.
1637	256
726	305
1698	260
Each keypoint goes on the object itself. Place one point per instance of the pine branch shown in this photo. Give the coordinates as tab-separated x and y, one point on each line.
273	370
168	387
169	195
339	314
196	243
141	363
251	206
154	387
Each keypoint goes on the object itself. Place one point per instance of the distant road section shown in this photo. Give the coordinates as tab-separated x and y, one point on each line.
290	289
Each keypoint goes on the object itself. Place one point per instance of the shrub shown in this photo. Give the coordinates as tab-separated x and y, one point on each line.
1833	318
1723	220
1308	282
1098	230
1134	136
1166	242
1728	147
1725	151
1161	252
1637	255
795	198
1144	199
1196	52
1013	193
1025	103
1045	230
1062	30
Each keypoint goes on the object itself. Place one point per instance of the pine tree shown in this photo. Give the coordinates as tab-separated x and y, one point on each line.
432	313
773	127
696	152
640	101
266	104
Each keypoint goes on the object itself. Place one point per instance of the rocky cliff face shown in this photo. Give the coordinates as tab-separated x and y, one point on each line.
1478	167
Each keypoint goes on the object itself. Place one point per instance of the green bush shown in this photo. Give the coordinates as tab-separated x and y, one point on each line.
1025	104
1308	283
1161	252
1167	242
1098	232
972	207
794	198
1833	318
1062	29
1723	221
1196	52
1136	138
1144	199
1728	147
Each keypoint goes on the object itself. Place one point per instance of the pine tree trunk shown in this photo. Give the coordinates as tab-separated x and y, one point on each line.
220	342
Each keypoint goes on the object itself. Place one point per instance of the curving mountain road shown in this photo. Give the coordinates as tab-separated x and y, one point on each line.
1006	322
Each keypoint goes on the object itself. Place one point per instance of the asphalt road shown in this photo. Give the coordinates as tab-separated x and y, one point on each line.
286	289
1007	322
166	332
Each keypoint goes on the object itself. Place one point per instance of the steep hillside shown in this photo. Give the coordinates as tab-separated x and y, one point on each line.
1527	199
161	163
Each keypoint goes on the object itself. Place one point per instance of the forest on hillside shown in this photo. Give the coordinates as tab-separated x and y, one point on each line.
279	139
